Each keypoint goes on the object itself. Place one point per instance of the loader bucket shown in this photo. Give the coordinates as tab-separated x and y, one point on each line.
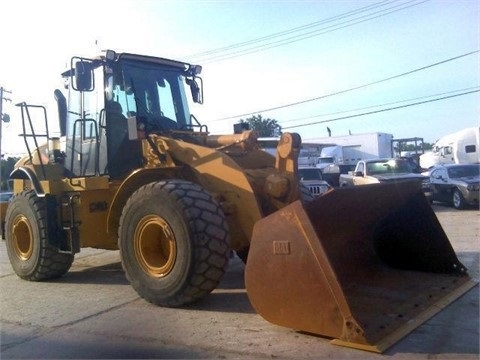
363	265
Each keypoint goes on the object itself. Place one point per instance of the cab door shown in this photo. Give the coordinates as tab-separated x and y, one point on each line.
85	137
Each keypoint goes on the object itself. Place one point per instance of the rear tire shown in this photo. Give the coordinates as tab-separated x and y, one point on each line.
30	254
458	200
174	242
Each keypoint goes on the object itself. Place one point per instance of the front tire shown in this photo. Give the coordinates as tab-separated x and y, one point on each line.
458	200
174	242
30	254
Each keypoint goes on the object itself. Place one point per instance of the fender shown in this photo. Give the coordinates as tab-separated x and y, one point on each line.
135	180
56	237
27	174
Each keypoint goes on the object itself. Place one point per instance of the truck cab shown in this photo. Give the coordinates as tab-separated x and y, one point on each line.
138	94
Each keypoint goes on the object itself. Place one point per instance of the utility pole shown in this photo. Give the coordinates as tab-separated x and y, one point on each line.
3	117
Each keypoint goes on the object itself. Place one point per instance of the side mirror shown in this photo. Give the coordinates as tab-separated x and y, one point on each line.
83	76
196	89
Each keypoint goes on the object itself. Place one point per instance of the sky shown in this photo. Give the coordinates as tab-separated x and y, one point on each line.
410	68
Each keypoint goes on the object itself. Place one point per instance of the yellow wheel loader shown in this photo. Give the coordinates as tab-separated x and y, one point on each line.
134	170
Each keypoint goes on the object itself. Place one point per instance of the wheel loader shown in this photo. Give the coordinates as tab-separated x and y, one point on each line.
133	170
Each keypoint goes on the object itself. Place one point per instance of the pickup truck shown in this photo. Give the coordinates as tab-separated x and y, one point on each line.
380	170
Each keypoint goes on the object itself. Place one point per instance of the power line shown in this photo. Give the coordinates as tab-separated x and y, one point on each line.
289	31
310	34
350	89
304	36
291	39
382	110
381	105
465	90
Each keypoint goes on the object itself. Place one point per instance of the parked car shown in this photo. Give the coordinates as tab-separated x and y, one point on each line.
4	200
457	184
312	178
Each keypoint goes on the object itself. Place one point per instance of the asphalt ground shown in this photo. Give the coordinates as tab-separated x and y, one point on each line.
92	312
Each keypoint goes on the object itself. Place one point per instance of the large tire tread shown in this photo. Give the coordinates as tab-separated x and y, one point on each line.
210	240
48	262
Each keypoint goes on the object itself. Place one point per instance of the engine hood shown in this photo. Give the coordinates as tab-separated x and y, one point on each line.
396	177
470	180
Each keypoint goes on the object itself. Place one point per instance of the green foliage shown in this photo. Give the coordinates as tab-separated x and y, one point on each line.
264	127
411	147
6	167
427	146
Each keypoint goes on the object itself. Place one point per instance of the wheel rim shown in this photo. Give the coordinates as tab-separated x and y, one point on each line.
155	246
22	237
456	199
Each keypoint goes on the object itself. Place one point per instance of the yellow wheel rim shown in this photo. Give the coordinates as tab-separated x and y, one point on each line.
22	237
155	246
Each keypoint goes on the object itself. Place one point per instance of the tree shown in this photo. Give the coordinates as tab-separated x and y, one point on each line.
264	127
411	147
427	146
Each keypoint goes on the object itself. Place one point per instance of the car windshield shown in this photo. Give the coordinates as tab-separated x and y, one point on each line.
310	174
325	160
464	171
394	166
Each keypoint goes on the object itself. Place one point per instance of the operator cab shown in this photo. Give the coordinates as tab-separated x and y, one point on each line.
114	98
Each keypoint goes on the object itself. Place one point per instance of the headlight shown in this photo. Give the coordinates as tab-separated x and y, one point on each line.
473	187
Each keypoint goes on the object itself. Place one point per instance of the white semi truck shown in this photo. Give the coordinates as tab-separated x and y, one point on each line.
461	147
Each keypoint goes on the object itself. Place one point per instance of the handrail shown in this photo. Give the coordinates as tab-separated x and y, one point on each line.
25	113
